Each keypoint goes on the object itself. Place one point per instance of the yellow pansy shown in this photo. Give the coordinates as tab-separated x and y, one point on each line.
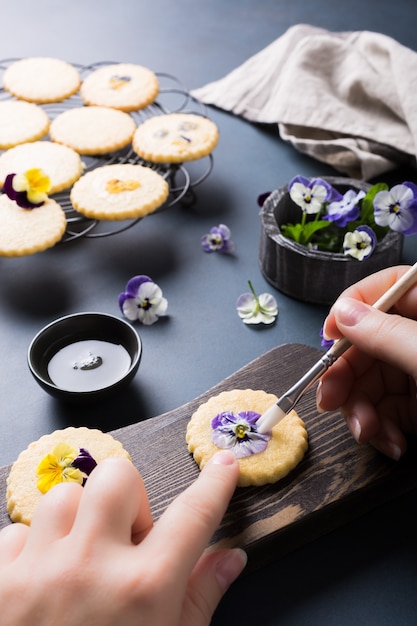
56	467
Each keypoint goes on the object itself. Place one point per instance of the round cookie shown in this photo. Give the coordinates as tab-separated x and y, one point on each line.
26	231
62	164
93	130
21	122
122	86
41	79
175	138
23	494
283	452
119	192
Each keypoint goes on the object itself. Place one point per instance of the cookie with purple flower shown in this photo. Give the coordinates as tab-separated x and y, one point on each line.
67	455
228	421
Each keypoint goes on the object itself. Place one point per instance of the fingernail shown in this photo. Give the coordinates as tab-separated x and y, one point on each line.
223	458
350	312
230	566
355	428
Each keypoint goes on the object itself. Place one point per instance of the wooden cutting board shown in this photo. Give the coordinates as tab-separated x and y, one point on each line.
336	481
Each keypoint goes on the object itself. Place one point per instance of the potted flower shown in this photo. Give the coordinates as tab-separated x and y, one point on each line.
321	235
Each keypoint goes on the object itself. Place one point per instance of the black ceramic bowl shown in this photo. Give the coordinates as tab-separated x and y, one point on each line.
85	357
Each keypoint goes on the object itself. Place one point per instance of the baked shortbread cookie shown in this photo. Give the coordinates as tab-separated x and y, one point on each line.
21	122
27	477
26	231
92	129
62	164
175	138
123	86
119	192
234	413
41	79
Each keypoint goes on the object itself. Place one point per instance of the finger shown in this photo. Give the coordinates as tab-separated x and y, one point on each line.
387	337
12	540
210	579
114	504
191	519
54	515
369	290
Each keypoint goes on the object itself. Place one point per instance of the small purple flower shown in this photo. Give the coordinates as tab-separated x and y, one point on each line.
310	195
238	433
325	343
397	208
20	197
142	300
360	243
345	210
218	240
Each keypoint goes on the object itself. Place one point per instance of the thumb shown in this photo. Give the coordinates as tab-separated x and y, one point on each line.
212	576
387	337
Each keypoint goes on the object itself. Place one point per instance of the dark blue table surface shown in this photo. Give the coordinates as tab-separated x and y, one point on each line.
363	573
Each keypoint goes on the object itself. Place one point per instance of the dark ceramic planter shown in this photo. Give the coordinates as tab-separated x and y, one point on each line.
309	275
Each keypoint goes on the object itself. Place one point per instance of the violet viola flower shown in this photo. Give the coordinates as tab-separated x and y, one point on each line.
29	190
397	208
142	300
345	210
310	195
238	433
218	240
84	462
360	243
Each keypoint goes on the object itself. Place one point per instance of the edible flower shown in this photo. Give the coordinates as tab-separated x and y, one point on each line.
218	240
29	190
142	300
351	223
64	464
238	433
253	309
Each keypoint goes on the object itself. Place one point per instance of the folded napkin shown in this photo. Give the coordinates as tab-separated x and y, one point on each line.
348	99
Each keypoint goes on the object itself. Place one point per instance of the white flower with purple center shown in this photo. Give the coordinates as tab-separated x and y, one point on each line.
142	301
360	243
253	309
218	240
310	195
397	208
345	210
238	433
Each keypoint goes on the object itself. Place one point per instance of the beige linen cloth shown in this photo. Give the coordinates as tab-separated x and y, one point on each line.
348	99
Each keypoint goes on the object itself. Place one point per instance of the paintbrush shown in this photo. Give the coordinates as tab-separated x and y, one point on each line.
289	399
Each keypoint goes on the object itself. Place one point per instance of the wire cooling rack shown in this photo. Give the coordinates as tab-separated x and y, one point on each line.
173	97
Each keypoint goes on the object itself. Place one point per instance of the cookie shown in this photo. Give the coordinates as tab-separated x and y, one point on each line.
23	489
41	79
175	138
63	165
26	231
21	122
93	130
122	86
119	192
282	452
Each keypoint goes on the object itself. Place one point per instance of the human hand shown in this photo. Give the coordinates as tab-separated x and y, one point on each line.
374	382
93	555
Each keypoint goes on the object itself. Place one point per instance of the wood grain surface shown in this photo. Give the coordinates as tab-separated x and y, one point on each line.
336	481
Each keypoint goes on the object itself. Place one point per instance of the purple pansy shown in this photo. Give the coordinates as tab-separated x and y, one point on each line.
346	209
142	300
218	240
84	462
397	208
238	433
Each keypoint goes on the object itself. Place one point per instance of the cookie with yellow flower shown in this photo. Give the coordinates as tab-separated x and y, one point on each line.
123	86
61	164
29	221
228	421
41	79
119	192
64	455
